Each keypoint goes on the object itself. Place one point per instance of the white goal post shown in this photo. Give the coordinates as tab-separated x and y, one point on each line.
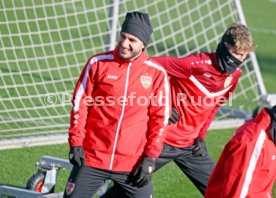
44	45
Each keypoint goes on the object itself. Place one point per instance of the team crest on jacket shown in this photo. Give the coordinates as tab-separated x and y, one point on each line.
146	81
227	81
69	188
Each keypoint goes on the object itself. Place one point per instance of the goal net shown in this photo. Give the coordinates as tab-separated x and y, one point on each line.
45	44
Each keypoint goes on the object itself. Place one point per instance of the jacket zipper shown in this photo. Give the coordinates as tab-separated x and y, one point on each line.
121	118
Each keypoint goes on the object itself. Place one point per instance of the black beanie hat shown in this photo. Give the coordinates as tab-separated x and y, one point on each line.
138	25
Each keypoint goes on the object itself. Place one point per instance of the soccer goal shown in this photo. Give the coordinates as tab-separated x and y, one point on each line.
45	44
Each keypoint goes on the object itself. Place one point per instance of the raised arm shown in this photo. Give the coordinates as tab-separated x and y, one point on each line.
178	67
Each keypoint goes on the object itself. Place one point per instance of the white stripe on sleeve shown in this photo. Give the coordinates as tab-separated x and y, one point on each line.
205	91
83	85
252	164
166	87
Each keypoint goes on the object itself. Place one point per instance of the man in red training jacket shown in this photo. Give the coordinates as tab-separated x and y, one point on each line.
247	165
120	110
200	84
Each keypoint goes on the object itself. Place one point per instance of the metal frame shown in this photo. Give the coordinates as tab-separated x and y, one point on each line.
113	22
252	54
50	165
269	100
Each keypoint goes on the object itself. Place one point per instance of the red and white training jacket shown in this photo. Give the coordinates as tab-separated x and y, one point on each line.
198	88
247	165
120	110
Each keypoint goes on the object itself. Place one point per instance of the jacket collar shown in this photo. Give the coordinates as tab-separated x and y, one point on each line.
272	130
226	61
139	60
266	122
215	64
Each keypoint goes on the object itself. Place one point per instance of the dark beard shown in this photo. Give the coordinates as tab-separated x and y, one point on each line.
226	61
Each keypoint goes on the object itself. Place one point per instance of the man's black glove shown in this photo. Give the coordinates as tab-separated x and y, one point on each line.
174	118
199	147
76	156
143	173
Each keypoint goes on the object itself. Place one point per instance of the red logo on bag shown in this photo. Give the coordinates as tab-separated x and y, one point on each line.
69	188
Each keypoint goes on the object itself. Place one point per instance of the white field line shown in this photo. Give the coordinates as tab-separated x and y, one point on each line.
264	30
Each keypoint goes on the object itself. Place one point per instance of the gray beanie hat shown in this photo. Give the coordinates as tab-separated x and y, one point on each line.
138	25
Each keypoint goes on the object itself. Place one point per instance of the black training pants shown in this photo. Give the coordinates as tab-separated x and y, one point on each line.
84	182
197	167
